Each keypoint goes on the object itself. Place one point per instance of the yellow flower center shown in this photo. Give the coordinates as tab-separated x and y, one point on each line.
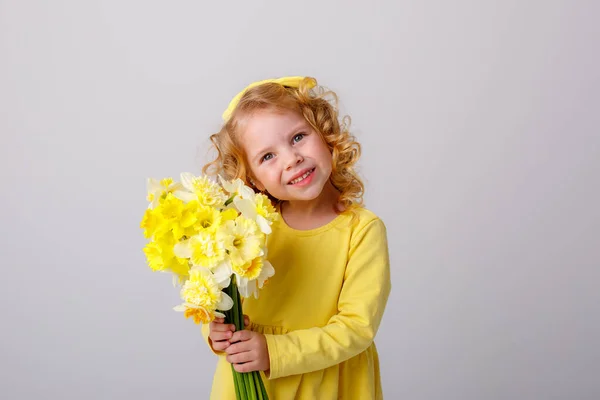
200	315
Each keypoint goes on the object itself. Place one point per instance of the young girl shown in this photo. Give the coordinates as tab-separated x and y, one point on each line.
312	328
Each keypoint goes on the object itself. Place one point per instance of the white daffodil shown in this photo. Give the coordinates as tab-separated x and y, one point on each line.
237	188
185	195
242	240
258	208
249	287
201	188
202	249
222	273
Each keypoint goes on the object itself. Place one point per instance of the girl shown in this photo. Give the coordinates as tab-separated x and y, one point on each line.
312	328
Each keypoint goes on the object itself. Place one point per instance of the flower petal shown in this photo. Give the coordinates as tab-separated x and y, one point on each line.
226	302
246	207
266	272
263	224
187	180
246	192
227	185
185	196
183	249
222	274
153	185
249	289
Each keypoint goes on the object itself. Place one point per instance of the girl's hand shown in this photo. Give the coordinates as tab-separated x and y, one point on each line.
220	333
248	351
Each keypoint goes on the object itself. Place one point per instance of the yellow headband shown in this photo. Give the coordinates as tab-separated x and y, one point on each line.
291	81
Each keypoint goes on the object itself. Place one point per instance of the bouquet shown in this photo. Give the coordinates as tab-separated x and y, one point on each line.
212	238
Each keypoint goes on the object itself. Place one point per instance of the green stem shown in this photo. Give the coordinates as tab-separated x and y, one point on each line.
231	318
248	386
257	381
229	200
243	382
236	383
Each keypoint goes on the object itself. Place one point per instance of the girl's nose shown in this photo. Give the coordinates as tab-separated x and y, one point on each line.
295	159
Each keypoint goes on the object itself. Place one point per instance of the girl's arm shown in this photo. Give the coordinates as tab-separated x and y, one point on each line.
361	304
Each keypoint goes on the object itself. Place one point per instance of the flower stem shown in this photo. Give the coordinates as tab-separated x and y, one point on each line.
258	385
248	386
236	383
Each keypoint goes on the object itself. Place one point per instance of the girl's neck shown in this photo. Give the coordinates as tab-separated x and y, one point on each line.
311	214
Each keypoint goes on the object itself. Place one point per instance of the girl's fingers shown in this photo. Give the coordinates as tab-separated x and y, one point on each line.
246	367
218	336
240	357
241	335
246	320
220	346
218	327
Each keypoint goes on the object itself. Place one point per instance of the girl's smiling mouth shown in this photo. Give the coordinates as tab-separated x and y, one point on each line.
302	177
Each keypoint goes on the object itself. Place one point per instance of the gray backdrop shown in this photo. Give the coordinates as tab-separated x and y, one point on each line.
480	126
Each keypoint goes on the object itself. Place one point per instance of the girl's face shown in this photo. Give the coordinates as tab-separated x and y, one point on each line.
286	156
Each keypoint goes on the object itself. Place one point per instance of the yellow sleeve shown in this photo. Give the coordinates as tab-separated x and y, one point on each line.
361	305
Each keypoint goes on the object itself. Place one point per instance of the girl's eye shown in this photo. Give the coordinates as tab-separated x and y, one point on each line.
266	157
298	137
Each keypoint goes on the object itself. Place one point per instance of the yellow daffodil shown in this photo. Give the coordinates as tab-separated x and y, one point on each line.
242	239
202	249
151	221
207	192
199	314
160	257
175	217
203	296
208	219
169	209
154	256
229	215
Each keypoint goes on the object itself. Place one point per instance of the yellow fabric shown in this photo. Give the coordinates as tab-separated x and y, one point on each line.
320	312
291	81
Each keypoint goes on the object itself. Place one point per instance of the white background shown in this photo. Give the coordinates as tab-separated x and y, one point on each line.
479	122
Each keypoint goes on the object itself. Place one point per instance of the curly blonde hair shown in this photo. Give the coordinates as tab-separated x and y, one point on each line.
320	109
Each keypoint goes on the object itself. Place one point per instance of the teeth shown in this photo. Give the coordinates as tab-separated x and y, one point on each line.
307	173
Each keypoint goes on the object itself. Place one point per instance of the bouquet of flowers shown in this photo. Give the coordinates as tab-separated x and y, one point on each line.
212	238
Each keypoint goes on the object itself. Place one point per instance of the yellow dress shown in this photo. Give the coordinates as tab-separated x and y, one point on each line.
320	311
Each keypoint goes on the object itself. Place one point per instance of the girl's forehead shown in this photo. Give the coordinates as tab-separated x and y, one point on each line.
271	123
